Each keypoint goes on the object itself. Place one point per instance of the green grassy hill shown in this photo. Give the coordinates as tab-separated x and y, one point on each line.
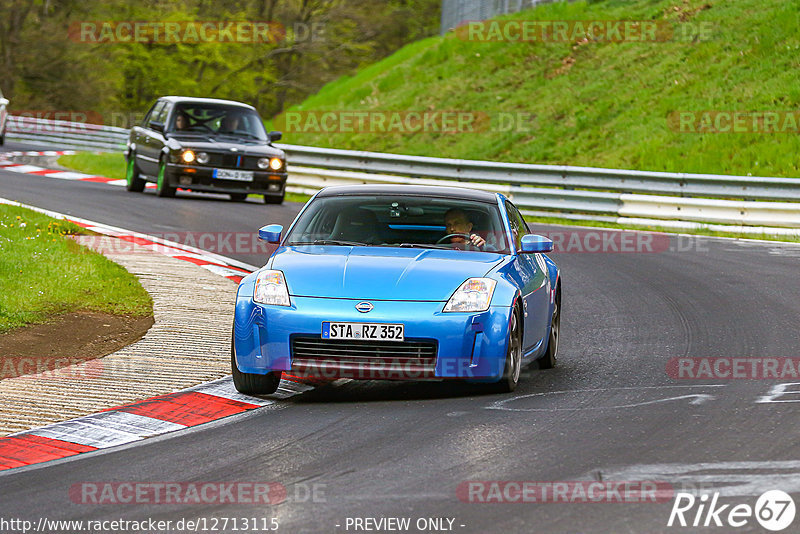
600	104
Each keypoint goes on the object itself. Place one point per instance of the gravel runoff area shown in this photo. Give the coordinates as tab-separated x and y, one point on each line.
188	344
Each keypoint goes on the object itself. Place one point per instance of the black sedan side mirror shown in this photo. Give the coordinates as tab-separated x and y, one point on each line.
274	136
157	126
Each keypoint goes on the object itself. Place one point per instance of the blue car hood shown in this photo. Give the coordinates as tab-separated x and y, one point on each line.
377	273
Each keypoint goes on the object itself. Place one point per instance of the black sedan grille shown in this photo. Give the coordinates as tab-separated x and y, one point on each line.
233	161
363	359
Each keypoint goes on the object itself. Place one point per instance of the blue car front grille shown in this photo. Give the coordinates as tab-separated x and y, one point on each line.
310	353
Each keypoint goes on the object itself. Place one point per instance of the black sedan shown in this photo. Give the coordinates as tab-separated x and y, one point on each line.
203	144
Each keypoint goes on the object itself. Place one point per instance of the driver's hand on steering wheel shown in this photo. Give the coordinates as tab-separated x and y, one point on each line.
477	240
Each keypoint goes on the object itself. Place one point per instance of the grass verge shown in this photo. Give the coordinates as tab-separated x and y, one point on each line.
110	165
589	103
44	273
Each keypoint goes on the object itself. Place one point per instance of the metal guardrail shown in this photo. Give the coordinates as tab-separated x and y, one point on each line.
575	192
561	176
456	12
554	190
64	134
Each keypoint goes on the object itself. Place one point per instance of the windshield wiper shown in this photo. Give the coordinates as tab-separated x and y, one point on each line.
421	245
329	242
239	135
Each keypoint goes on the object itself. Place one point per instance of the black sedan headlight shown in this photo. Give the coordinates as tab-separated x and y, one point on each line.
274	164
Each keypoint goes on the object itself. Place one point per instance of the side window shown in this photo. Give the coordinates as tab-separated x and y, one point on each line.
161	116
146	120
518	225
156	112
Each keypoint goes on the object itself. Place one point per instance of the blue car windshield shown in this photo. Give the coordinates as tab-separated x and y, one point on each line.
401	221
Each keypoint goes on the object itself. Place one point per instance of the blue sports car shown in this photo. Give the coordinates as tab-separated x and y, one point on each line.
400	283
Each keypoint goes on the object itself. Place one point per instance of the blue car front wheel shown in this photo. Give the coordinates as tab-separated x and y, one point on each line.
508	382
253	384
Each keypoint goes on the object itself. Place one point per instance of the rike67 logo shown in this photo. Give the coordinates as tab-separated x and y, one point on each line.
774	510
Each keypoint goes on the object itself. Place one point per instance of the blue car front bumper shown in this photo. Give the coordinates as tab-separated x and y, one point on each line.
466	345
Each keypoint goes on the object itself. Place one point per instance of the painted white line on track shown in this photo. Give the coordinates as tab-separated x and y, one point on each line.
730	479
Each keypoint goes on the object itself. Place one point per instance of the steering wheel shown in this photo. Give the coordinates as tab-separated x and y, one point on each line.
448	236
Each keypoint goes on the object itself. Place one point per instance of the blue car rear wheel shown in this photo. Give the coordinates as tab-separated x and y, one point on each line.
548	361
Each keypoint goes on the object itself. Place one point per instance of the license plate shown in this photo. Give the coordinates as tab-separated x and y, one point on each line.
367	331
229	174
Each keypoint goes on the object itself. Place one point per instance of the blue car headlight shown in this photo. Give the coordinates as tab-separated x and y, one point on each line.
270	288
474	295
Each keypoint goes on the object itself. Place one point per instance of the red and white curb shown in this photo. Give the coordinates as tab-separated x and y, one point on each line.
137	421
151	417
7	165
19	153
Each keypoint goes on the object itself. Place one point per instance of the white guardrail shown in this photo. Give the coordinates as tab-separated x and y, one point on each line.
733	203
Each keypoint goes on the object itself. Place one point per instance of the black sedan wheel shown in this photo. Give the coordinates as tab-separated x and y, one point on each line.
162	187
273	200
133	182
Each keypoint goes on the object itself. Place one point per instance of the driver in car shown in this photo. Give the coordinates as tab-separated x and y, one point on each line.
230	123
456	221
182	121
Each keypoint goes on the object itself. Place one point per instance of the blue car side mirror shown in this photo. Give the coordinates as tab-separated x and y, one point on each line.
536	243
270	233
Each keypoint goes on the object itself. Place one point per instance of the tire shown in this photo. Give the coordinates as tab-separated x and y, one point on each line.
253	384
238	197
513	364
273	200
134	183
162	187
3	139
548	361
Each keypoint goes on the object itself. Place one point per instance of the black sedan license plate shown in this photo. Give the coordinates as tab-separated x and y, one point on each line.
230	174
365	331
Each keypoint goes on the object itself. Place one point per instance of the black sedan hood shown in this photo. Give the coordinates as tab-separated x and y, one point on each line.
246	147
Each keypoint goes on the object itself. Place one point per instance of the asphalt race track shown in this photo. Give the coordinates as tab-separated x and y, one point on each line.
608	412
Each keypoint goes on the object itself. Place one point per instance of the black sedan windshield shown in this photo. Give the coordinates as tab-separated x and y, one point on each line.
217	120
400	221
